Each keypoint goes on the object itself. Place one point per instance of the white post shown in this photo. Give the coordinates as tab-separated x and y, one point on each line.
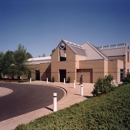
81	90
47	80
64	80
74	83
54	102
30	80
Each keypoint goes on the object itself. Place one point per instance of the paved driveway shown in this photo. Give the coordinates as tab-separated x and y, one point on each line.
26	98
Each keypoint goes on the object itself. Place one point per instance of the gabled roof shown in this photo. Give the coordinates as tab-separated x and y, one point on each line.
39	60
77	49
92	52
114	50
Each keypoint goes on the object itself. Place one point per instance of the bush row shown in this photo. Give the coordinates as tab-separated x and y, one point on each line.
109	113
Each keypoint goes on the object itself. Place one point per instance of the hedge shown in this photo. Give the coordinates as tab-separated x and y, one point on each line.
111	112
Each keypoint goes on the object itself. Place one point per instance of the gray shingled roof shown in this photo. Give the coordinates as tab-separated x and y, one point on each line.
114	50
75	48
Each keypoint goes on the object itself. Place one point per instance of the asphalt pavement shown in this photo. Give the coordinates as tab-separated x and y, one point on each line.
35	100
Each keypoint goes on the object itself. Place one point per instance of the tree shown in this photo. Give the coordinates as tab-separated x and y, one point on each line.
52	52
21	57
43	55
7	66
103	85
126	78
1	58
29	55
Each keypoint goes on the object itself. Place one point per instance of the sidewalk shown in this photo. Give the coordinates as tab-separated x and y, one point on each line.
71	97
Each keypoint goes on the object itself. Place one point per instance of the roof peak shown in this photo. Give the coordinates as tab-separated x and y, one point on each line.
72	44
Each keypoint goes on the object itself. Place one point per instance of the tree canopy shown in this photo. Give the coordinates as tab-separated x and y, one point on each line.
7	64
52	52
20	58
15	63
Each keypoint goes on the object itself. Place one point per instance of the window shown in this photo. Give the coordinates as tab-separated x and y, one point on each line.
121	74
62	52
128	56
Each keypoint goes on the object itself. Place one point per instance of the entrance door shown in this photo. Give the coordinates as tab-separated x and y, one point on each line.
29	74
62	75
37	73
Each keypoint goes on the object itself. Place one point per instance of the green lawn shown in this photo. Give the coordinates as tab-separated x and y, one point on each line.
111	112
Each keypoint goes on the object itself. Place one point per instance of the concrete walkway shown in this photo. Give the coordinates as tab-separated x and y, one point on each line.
72	96
5	91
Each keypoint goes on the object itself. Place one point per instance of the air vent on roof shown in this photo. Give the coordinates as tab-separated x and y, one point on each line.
106	47
112	46
121	45
72	44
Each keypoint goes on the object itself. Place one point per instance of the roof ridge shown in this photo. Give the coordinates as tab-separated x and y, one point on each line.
72	44
77	49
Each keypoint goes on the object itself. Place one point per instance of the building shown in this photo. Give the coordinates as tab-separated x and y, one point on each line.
73	60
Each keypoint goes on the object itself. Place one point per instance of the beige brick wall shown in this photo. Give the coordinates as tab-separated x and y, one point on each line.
45	71
98	67
127	63
77	59
114	67
105	67
69	64
87	75
117	57
34	67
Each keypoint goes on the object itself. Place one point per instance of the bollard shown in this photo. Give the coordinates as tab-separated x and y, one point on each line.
64	80
81	90
30	80
54	102
74	83
47	80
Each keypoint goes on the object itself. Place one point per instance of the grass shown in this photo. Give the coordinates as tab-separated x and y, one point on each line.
111	112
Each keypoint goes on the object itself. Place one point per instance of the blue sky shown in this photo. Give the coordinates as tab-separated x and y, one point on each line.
40	25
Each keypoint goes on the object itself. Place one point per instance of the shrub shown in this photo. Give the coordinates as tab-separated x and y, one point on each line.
126	79
106	113
24	80
103	85
53	79
68	80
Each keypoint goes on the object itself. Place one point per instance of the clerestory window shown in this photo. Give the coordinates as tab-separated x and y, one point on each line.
62	52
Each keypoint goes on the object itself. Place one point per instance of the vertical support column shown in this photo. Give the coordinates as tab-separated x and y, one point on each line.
64	80
54	102
74	83
47	80
81	90
30	80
